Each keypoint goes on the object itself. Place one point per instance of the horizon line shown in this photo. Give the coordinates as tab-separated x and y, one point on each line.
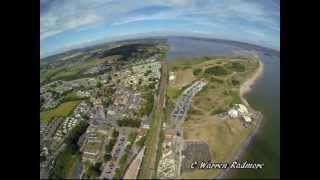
100	42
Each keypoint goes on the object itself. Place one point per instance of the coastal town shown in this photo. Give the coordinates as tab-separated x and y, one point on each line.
110	107
101	123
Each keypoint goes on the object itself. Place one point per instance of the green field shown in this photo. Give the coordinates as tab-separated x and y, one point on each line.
67	72
62	110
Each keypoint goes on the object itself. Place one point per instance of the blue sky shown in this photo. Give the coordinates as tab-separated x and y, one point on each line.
67	24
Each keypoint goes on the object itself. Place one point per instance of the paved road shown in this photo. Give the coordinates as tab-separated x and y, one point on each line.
133	170
149	162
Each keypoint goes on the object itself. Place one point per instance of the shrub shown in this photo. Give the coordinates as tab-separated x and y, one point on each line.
235	82
129	123
216	71
216	80
197	71
236	66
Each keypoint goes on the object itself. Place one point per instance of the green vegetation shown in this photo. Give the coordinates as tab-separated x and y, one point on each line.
195	111
224	77
67	158
148	105
131	50
109	147
215	80
159	152
65	163
150	139
123	161
132	138
197	71
173	92
72	96
235	97
122	165
235	82
129	123
62	110
141	142
186	67
92	171
218	111
147	73
216	71
236	66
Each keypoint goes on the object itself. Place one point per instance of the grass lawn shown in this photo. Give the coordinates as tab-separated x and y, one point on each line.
173	92
62	110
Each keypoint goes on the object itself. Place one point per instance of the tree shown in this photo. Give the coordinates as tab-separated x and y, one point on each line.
216	71
107	157
99	84
147	73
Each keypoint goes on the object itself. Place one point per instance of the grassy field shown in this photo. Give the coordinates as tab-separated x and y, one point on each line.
224	77
223	136
61	111
68	71
222	90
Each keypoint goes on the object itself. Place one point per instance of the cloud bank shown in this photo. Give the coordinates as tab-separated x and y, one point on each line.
74	21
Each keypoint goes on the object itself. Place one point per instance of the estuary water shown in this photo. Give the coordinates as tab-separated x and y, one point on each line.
264	97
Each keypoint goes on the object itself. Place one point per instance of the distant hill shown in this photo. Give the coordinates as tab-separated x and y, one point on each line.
140	40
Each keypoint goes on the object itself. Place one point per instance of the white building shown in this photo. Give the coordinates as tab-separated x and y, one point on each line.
233	113
247	119
172	76
241	108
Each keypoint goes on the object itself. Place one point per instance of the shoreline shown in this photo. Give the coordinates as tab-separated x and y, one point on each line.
247	85
245	88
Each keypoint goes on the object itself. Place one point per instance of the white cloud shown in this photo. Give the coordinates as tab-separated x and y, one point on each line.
74	14
206	16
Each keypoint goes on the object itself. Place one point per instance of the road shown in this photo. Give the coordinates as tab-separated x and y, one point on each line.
118	151
149	161
133	170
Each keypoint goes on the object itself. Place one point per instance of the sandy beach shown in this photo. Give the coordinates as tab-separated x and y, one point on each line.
246	86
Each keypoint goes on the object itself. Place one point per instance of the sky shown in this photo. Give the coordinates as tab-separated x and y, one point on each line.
68	24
